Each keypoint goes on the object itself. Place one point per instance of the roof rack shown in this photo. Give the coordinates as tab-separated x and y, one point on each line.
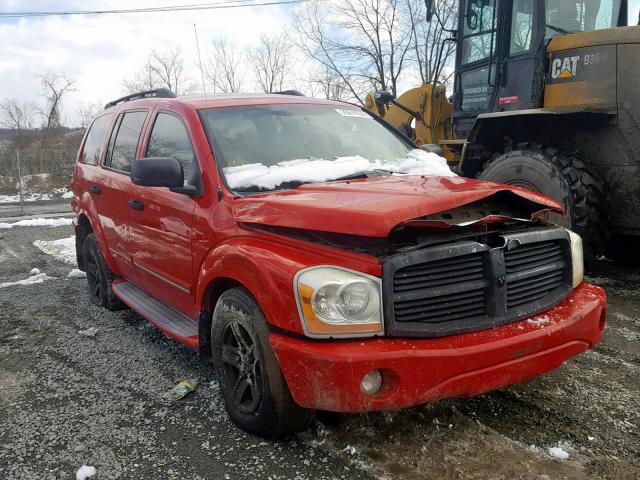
158	93
290	92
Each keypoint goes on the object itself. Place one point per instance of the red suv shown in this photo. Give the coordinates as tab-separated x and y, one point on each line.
320	258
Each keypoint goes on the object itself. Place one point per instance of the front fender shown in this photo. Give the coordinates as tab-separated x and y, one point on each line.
266	268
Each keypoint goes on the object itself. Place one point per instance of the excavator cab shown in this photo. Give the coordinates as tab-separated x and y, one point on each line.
501	50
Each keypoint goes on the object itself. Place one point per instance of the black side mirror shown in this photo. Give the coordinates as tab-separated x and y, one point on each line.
383	97
157	172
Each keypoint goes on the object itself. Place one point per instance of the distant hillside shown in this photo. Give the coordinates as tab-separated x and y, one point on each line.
8	133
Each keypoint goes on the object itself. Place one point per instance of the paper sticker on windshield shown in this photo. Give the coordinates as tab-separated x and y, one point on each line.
352	113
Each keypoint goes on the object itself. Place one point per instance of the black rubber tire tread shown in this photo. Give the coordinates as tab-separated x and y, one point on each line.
581	191
108	299
278	415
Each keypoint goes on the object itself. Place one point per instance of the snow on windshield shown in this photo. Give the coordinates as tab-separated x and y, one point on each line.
416	162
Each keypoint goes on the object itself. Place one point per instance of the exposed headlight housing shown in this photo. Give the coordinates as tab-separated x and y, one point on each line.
336	302
577	258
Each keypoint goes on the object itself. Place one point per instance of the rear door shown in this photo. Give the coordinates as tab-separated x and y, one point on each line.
161	224
114	186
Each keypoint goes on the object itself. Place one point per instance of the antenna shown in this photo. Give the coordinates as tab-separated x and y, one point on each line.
204	87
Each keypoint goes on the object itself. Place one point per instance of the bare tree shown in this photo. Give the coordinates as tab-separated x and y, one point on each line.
161	70
86	113
225	67
431	53
327	84
18	116
271	62
56	85
364	42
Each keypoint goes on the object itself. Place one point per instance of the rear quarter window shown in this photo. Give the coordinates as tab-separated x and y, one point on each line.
95	139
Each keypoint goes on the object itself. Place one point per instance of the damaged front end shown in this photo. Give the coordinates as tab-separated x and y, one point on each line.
473	267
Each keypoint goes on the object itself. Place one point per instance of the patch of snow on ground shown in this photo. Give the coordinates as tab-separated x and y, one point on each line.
417	162
559	453
63	249
85	472
75	273
38	222
32	195
32	280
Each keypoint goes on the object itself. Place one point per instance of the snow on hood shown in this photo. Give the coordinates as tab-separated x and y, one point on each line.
416	162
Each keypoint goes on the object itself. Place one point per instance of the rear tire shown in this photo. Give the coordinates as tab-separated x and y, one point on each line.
99	276
255	392
563	175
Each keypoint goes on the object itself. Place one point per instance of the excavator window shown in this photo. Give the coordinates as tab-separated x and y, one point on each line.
479	40
569	16
521	26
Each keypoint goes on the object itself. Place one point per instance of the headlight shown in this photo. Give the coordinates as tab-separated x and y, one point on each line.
576	258
335	302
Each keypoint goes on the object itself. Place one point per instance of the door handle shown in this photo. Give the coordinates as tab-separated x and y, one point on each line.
94	189
136	204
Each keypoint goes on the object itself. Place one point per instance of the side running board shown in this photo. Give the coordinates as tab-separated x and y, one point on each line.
170	321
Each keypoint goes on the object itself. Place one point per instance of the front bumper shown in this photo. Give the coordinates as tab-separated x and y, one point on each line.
326	375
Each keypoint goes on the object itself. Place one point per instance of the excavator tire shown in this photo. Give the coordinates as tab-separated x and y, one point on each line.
561	174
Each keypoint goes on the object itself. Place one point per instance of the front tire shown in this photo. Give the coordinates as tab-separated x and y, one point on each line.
255	392
562	175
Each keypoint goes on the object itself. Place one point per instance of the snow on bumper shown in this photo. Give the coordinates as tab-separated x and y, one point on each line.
326	375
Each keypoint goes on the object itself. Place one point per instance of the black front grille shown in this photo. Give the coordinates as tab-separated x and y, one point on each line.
441	290
469	285
533	271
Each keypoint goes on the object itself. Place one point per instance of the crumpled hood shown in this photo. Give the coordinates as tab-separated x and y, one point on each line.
374	206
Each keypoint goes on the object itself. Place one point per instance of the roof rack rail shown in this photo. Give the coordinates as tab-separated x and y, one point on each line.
290	92
158	93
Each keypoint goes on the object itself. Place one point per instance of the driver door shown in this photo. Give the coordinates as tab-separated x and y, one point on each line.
161	221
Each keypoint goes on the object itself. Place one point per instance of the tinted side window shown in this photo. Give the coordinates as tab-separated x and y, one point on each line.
169	138
122	150
95	139
521	26
479	41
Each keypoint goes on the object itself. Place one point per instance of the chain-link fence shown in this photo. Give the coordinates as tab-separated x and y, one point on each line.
34	177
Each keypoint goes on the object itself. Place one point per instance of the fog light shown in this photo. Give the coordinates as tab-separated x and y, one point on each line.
371	382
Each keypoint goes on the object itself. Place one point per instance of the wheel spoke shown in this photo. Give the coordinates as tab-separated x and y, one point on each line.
237	333
231	356
96	289
242	384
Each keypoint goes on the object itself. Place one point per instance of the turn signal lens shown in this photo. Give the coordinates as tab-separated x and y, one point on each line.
577	258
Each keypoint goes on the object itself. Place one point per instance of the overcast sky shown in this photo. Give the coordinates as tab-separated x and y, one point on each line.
100	51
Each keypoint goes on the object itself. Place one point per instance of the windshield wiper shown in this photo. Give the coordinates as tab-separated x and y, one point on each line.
560	29
376	172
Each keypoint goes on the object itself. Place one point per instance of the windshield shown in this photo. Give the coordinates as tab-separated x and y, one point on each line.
269	147
569	16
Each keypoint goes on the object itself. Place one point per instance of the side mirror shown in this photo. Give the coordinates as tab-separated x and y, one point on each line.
157	172
383	97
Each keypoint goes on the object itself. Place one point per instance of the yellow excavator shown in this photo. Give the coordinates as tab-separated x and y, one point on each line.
546	96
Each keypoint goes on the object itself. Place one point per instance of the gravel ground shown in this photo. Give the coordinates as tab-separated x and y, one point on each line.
67	399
